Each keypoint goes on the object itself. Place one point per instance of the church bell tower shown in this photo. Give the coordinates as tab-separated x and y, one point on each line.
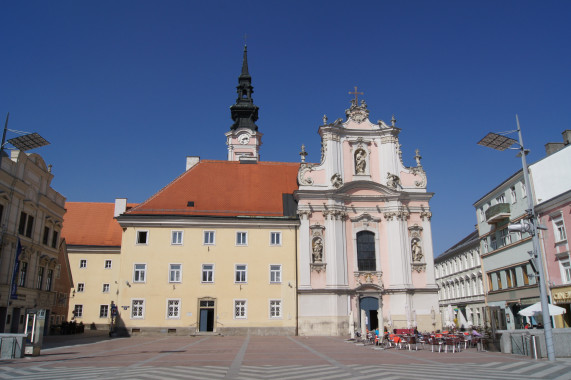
243	139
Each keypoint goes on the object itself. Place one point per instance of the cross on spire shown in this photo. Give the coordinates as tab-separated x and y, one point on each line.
356	94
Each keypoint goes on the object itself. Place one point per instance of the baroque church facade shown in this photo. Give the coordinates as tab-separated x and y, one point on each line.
365	245
244	246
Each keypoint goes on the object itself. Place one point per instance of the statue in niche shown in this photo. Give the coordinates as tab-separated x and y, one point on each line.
416	250
317	250
393	180
360	162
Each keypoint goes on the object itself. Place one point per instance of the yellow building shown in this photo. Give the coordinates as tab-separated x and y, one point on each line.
194	260
93	240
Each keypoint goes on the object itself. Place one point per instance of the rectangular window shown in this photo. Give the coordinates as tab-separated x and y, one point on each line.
139	272
78	311
103	311
525	275
108	264
240	273
175	272
509	279
49	279
513	194
275	273
23	273
559	229
83	263
26	226
275	238
80	287
208	237
493	242
505	237
176	238
173	309
138	309
142	237
499	279
241	238
240	309
46	236
523	190
275	308
500	199
40	278
207	272
105	288
54	239
565	271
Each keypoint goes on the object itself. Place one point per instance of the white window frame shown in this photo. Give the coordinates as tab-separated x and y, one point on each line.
500	199
241	308
143	271
83	263
275	238
78	309
138	240
209	237
277	306
241	238
108	264
173	304
565	268
275	274
105	288
175	272
177	237
513	194
241	275
104	308
523	190
139	308
559	230
205	270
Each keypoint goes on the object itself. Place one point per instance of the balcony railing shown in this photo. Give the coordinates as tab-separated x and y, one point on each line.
497	212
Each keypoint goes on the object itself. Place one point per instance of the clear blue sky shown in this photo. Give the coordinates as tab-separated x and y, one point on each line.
125	90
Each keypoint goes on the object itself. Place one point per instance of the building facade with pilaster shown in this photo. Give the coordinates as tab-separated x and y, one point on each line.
365	240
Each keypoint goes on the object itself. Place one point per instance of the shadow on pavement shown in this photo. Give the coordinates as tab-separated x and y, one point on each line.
89	336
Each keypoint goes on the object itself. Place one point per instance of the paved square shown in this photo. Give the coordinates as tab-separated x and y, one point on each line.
258	357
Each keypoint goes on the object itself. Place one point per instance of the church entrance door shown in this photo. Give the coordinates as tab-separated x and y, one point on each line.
206	315
371	306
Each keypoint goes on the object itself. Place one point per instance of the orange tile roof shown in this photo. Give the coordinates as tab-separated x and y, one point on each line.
90	223
225	188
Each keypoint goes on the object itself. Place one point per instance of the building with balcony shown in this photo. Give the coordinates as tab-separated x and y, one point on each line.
459	279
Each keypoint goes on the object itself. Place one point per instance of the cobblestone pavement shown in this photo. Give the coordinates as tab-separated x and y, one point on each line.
255	357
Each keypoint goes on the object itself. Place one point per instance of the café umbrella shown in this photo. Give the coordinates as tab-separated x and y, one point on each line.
535	309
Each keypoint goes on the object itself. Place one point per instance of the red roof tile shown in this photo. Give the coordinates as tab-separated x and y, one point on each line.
90	223
225	188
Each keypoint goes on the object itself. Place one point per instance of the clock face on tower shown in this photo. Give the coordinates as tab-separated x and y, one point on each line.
244	138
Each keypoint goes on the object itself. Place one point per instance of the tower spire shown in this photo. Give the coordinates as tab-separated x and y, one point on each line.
244	112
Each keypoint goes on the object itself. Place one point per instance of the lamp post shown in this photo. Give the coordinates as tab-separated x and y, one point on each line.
501	142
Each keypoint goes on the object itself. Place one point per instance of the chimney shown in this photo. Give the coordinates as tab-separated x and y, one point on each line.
551	148
191	161
120	206
566	136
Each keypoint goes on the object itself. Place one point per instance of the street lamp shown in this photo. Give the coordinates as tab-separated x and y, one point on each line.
500	141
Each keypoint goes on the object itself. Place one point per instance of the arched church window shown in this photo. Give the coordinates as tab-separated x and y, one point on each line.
366	251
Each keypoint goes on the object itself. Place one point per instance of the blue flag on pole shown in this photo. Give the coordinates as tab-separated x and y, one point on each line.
14	286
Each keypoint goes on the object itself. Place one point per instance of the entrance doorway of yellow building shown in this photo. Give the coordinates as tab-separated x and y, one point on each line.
206	313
